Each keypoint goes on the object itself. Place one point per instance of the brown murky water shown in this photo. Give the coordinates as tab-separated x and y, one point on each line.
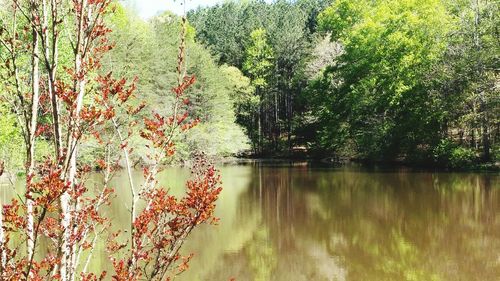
298	223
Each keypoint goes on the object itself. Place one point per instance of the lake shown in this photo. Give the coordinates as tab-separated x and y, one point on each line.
295	222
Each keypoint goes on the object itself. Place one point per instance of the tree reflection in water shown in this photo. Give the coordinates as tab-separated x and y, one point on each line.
300	223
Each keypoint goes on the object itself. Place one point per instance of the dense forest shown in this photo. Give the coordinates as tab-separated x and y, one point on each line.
379	80
413	81
147	51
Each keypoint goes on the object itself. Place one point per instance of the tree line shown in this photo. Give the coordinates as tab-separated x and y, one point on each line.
270	44
380	80
147	51
388	80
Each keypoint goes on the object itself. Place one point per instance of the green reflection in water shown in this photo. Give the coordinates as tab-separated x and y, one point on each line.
297	223
261	255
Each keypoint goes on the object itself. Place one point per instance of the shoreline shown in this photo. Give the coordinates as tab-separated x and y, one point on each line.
366	163
309	161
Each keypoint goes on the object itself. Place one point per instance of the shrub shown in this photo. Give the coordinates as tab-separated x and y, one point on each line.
448	154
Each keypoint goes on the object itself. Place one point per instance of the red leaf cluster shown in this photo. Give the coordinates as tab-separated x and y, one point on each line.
92	105
186	83
164	224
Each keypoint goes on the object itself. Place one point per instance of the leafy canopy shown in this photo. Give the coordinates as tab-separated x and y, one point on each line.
259	57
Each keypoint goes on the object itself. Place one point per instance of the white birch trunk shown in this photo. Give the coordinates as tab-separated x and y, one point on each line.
35	81
3	255
66	259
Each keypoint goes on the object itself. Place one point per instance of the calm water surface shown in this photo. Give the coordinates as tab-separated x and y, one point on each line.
298	223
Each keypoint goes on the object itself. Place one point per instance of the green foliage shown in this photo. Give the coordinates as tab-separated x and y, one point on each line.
12	143
381	80
377	94
274	56
410	74
242	94
221	27
11	140
261	255
341	16
448	154
469	74
258	59
225	27
148	50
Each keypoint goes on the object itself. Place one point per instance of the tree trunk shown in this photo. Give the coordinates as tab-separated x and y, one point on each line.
289	122
472	133
30	166
3	257
67	269
259	121
479	72
51	58
276	122
485	134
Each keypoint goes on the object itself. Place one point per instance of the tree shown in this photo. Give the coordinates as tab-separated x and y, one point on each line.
219	28
289	27
74	105
147	50
378	95
324	54
10	141
469	74
257	65
245	102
